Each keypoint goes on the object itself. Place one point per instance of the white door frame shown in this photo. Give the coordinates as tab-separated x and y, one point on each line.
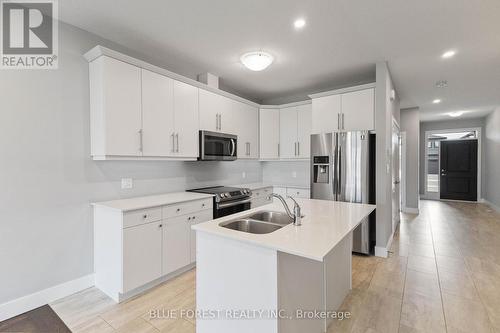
395	125
403	170
433	196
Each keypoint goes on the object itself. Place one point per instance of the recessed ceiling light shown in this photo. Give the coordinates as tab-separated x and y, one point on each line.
299	23
456	114
442	84
256	61
436	101
448	54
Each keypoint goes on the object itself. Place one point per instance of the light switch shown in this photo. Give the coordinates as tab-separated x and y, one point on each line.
127	183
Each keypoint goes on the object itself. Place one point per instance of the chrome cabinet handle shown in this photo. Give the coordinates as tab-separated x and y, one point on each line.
173	142
343	127
140	141
298	148
278	149
338	120
216	121
220	121
177	138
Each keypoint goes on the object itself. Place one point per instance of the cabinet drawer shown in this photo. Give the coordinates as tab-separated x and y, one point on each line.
141	216
186	208
298	192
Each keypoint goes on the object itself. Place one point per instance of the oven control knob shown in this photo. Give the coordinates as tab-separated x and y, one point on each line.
226	195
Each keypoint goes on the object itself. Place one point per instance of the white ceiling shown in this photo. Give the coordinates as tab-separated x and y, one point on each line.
341	43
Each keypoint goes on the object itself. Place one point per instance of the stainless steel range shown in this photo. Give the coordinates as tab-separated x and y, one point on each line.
227	200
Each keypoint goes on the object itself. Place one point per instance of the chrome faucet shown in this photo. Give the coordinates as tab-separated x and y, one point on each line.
296	216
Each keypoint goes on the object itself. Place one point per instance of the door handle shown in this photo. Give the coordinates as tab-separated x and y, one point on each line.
140	141
233	147
173	142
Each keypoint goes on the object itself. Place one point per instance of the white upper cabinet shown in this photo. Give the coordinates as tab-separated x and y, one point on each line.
186	120
158	128
215	112
288	133
348	111
246	122
358	108
304	118
326	114
169	117
115	103
295	131
269	124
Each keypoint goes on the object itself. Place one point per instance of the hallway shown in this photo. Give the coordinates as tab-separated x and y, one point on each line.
443	275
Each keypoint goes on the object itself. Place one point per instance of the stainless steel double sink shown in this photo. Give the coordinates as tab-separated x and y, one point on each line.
263	222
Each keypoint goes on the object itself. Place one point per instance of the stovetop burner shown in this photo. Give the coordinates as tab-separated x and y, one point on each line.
224	193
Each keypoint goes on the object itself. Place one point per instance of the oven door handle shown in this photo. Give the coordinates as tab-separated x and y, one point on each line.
231	204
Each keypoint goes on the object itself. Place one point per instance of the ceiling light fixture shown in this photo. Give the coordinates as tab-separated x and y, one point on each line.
299	23
448	54
456	114
436	101
256	61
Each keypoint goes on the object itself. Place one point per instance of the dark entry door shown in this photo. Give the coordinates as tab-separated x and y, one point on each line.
459	170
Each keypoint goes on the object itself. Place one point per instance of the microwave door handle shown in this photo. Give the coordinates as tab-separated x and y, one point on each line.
233	147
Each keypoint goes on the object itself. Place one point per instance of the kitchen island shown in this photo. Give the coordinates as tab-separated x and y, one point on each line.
248	282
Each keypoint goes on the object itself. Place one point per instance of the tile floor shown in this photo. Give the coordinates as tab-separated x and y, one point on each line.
443	275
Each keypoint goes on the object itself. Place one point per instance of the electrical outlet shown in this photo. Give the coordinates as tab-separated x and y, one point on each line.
294	174
243	175
127	183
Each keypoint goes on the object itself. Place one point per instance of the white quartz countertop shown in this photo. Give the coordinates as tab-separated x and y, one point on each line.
152	200
257	186
324	225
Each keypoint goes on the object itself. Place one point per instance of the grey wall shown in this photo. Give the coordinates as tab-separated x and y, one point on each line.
282	173
385	109
48	179
410	123
492	158
450	124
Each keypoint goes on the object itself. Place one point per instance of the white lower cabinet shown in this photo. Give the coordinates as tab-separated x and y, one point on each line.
176	245
141	255
134	250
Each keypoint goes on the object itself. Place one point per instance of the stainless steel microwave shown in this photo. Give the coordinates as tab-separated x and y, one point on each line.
216	146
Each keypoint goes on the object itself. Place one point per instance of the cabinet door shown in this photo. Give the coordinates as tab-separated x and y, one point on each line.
186	119
121	98
198	217
176	248
304	118
246	120
358	108
141	255
269	123
210	108
157	114
288	132
325	114
226	119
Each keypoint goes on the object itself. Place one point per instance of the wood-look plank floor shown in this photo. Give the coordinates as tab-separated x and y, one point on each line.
443	275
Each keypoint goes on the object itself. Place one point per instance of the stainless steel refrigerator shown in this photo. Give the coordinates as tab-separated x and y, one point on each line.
343	169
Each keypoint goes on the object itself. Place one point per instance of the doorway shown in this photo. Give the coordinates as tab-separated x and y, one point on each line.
453	164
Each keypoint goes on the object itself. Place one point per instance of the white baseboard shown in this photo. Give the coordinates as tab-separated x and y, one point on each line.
410	210
492	205
383	252
35	300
